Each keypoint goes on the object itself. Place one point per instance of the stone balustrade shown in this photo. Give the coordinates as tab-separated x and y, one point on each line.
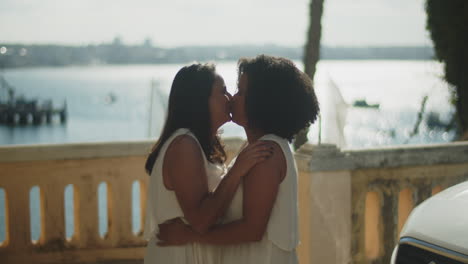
352	203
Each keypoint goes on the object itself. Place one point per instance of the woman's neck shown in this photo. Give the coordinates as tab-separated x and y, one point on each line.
253	135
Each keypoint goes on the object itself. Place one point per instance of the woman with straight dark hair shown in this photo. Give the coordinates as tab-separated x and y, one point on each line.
186	165
274	101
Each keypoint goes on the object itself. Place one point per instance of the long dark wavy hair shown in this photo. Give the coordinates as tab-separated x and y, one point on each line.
189	108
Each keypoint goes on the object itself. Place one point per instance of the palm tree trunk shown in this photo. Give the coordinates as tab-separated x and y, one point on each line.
462	106
311	53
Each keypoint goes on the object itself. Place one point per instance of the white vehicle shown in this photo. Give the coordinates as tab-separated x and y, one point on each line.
436	231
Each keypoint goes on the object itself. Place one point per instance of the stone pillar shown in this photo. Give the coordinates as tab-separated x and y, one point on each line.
330	217
325	205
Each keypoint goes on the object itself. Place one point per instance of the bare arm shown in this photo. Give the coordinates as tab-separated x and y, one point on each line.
184	164
260	191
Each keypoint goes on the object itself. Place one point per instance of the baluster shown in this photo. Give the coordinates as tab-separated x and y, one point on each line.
53	215
389	212
86	208
358	201
18	217
422	192
120	216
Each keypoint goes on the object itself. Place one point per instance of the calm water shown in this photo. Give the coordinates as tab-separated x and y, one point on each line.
398	86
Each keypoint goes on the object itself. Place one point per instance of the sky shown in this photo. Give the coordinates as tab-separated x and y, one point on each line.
172	23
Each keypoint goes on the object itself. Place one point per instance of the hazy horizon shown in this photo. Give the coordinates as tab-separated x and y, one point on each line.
215	45
176	23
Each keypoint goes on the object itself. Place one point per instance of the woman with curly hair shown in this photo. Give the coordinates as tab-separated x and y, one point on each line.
274	102
186	166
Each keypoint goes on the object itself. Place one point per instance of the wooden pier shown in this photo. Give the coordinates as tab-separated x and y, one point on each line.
28	112
20	111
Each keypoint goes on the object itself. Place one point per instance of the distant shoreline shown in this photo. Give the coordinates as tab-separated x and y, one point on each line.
20	56
184	62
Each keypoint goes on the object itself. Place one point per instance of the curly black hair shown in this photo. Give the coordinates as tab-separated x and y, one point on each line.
280	99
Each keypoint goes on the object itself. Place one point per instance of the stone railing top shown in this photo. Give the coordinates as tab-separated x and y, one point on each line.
324	157
89	150
328	157
14	153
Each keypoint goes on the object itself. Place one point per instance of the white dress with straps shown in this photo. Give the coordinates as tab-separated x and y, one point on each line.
162	205
281	238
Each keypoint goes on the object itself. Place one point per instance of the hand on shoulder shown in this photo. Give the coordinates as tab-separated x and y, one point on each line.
275	165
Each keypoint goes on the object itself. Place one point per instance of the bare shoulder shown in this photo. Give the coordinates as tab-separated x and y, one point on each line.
183	146
274	166
184	149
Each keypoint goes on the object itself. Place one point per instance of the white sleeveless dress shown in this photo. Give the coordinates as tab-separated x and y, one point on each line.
281	237
162	205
